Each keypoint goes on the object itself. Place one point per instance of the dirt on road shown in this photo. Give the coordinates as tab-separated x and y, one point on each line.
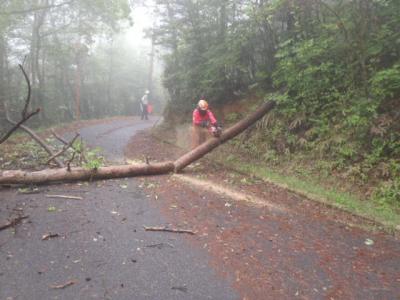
271	243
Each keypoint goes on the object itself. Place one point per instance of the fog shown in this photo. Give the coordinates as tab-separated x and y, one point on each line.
83	59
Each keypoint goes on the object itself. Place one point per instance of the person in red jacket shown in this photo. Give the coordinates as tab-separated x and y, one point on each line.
204	122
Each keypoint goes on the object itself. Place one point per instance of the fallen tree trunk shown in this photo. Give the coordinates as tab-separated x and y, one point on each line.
228	134
74	174
53	175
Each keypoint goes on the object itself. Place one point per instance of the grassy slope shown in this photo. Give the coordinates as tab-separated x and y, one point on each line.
300	175
311	187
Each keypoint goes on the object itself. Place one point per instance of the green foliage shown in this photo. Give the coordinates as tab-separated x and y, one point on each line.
388	193
93	159
386	83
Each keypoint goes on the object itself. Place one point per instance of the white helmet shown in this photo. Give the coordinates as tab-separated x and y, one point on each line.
203	105
147	92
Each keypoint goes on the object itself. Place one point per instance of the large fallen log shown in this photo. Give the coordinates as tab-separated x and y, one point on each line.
77	173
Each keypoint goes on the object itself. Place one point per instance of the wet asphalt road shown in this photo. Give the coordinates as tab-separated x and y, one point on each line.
101	245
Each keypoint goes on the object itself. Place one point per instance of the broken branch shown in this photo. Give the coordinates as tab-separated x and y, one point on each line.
17	125
48	236
65	197
39	141
166	229
63	286
28	97
25	116
13	222
65	148
59	137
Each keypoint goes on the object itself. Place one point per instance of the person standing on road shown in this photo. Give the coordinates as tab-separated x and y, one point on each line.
204	123
144	102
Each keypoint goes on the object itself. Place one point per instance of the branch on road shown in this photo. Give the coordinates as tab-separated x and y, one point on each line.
166	229
13	222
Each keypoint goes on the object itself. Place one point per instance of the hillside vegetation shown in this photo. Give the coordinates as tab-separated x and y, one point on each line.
332	66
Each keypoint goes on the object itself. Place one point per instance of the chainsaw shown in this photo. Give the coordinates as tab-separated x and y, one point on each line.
216	131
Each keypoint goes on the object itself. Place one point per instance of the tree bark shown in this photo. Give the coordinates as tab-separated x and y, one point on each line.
54	175
63	174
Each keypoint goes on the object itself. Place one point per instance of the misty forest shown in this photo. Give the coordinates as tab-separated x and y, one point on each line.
330	68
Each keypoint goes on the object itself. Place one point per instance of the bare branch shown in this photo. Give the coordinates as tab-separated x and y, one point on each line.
59	137
28	97
32	9
65	148
25	115
13	222
165	229
70	161
17	125
38	140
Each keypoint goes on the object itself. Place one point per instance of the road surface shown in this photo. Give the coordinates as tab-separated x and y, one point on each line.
99	248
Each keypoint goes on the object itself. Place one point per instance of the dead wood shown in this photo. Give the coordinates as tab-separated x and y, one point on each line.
78	173
39	141
13	222
18	125
166	229
28	96
25	115
65	148
65	197
48	236
63	286
59	137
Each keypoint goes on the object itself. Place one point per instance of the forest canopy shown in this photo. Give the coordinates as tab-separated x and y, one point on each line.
78	61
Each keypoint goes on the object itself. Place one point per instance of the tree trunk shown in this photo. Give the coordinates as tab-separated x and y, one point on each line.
51	175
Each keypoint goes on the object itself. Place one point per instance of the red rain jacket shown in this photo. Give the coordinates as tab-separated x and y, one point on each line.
198	118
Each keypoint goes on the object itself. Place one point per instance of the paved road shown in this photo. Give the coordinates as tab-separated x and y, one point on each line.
101	247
